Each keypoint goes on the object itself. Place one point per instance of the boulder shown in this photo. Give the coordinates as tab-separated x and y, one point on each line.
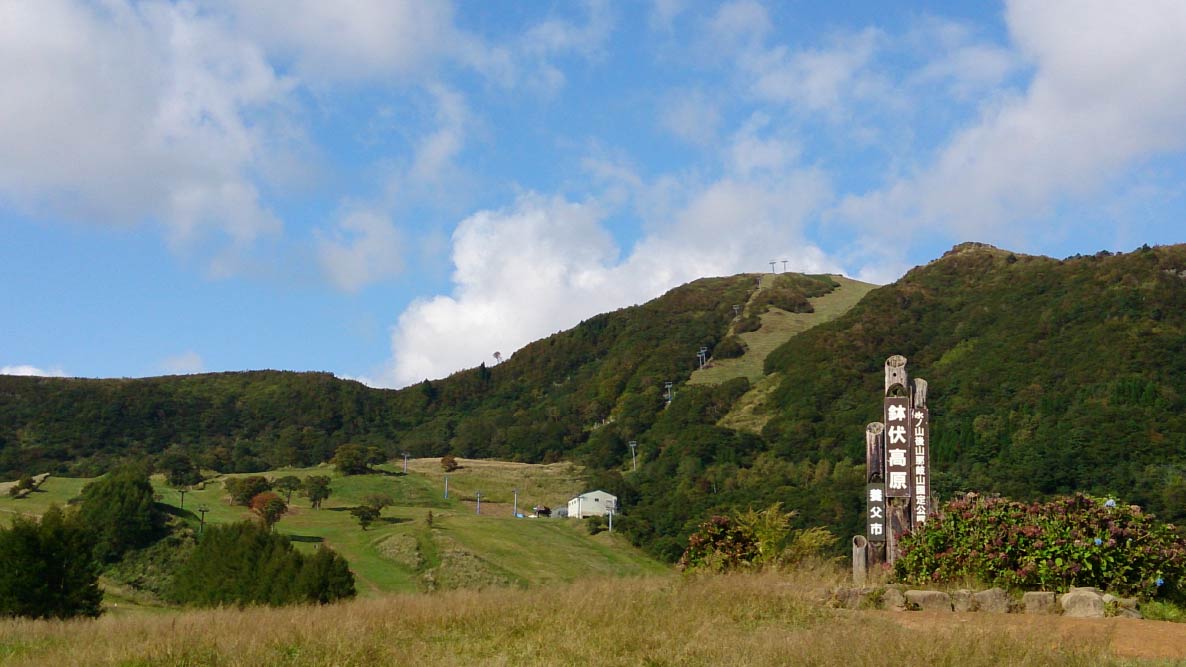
1038	602
1122	607
1082	603
963	600
993	601
929	600
894	600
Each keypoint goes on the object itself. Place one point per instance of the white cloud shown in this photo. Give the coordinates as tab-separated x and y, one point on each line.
121	113
355	40
739	24
364	247
692	116
546	263
1108	90
752	151
817	80
183	364
27	370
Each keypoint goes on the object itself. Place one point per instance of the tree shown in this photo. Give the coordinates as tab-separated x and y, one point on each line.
351	460
270	507
449	463
243	489
288	484
242	563
378	500
49	570
180	470
317	489
121	510
366	515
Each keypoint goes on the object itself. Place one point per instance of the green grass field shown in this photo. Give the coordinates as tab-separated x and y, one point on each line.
400	552
778	326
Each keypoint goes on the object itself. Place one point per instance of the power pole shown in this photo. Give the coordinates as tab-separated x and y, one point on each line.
736	310
772	263
478	494
446	486
667	392
202	509
784	266
633	460
515	511
182	491
406	463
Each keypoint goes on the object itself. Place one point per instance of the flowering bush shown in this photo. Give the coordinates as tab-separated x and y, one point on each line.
1069	541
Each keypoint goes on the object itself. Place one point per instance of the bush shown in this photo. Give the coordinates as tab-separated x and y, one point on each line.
753	539
49	570
1069	541
751	322
243	489
449	463
121	510
728	348
243	563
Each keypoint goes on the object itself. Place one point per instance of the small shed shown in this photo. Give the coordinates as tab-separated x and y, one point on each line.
593	503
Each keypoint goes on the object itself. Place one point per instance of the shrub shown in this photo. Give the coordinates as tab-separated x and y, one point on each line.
751	322
1069	541
729	348
753	538
121	510
718	545
243	489
49	570
449	463
243	563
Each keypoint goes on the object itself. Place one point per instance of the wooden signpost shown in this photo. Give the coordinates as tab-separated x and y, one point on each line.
898	469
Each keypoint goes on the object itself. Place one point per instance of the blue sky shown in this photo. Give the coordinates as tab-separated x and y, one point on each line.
391	191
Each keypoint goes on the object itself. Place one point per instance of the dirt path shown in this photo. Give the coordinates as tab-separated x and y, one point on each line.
1124	637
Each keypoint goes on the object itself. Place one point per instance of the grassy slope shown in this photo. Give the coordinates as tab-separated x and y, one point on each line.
778	326
763	619
491	548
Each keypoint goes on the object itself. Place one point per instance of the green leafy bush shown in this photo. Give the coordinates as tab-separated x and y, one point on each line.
120	509
48	568
1068	541
243	564
729	348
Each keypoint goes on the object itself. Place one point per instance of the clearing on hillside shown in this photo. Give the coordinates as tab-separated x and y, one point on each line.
778	326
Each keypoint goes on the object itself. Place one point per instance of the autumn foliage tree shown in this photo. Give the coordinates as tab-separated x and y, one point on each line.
270	507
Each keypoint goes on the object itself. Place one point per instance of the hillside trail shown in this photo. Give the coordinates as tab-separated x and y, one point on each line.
1122	637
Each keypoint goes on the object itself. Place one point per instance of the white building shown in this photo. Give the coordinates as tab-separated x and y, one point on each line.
593	503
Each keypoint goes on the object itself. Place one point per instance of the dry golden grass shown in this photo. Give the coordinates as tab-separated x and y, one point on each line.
759	619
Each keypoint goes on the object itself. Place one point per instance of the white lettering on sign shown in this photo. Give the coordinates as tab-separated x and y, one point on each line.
897	480
897	457
897	434
896	413
876	496
875	529
876	512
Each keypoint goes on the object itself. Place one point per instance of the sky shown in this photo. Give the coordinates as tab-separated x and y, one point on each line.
393	191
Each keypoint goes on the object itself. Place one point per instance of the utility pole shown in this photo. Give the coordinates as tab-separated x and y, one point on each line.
446	486
515	511
702	355
611	519
784	266
478	494
406	463
736	310
182	491
772	263
667	392
633	460
202	509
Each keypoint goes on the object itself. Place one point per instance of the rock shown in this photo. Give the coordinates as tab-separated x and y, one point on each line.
1038	602
963	600
1122	607
894	600
993	601
851	598
929	600
1082	603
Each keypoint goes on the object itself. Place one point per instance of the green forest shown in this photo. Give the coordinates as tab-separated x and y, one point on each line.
1047	376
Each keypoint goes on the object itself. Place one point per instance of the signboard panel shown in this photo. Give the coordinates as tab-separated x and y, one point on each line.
876	524
898	464
920	460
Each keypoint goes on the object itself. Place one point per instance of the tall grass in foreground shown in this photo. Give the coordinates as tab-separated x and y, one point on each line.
756	619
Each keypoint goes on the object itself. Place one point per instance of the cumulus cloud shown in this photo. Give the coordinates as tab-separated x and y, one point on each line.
692	116
182	364
1108	91
121	113
27	370
546	263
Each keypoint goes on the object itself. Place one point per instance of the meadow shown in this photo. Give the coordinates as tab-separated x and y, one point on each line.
743	619
401	552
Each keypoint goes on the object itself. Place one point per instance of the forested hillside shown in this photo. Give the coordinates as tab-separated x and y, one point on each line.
1046	376
541	404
